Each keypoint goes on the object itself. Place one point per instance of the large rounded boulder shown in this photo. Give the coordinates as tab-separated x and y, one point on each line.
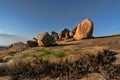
45	39
84	30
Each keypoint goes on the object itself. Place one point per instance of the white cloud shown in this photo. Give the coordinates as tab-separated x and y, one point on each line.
7	39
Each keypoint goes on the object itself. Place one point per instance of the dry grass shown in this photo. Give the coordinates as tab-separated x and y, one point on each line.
72	67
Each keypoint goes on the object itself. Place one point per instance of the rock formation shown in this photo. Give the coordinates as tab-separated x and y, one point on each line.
54	35
84	30
62	33
45	39
18	46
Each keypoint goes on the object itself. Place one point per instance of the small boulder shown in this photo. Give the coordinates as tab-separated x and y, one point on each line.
54	35
45	39
32	43
62	33
84	30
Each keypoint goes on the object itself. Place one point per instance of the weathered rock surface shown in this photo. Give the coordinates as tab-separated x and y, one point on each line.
84	30
54	35
63	33
32	43
45	39
72	32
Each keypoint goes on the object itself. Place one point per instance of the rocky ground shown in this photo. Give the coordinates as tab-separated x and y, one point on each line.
89	59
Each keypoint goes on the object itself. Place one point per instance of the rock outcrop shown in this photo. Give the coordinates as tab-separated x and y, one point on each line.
84	30
63	33
54	35
45	39
18	46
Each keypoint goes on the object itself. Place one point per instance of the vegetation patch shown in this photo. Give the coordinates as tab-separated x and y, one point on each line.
40	69
44	53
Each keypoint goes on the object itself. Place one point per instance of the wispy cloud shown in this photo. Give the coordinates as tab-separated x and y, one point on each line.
7	35
7	39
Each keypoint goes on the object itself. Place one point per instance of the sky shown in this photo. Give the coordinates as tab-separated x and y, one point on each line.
21	20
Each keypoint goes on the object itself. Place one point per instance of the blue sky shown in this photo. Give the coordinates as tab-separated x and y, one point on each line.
21	20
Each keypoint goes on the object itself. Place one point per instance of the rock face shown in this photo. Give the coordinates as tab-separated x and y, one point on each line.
84	30
32	43
54	35
72	32
63	33
45	39
18	46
